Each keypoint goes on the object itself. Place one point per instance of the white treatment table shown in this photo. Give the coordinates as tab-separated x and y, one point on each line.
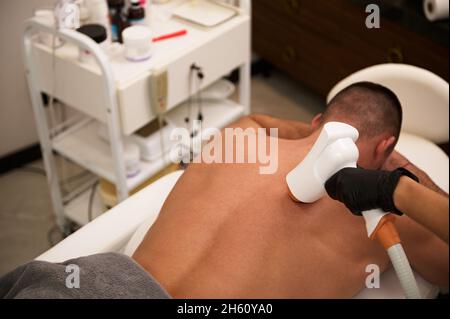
122	228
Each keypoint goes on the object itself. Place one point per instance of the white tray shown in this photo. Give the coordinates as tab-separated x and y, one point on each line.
205	13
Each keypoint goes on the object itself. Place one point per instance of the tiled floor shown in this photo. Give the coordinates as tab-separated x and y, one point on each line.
26	217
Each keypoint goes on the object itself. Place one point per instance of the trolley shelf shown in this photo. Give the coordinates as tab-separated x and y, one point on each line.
84	146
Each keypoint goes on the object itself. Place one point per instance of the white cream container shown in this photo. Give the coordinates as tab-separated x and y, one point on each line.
96	32
138	43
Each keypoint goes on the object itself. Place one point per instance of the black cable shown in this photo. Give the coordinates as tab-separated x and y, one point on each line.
188	117
72	179
200	77
198	129
91	200
49	235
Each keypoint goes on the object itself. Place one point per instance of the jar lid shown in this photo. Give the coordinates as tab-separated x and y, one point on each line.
137	33
116	3
96	32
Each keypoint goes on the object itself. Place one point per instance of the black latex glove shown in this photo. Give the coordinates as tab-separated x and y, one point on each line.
362	190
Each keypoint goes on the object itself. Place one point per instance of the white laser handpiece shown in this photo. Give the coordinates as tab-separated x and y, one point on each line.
333	150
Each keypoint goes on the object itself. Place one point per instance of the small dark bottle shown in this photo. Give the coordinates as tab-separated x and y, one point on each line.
136	13
118	22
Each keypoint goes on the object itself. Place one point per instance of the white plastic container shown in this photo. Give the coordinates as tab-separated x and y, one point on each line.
138	43
98	33
131	151
85	56
150	146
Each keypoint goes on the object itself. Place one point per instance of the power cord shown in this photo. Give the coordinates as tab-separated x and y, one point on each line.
200	76
76	177
187	119
91	200
161	124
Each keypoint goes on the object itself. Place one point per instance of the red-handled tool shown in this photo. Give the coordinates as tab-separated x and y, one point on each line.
170	36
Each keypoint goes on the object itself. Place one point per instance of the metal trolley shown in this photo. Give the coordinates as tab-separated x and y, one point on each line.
111	105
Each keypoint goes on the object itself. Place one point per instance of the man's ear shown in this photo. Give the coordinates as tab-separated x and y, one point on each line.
316	121
385	145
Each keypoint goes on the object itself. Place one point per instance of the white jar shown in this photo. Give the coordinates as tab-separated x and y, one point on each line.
87	57
138	43
96	32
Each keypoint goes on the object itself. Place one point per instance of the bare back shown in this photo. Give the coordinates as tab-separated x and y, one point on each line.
226	231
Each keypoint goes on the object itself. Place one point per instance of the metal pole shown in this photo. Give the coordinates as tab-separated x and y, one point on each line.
246	5
245	69
110	99
44	135
112	112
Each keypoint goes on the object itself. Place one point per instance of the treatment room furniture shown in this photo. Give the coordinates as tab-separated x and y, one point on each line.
116	92
123	227
319	42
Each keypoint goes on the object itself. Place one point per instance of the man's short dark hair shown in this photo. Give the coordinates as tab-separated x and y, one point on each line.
372	108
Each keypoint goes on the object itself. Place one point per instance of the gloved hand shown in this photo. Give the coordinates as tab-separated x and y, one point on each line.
361	190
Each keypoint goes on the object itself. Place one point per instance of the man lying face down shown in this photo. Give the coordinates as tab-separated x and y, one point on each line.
227	231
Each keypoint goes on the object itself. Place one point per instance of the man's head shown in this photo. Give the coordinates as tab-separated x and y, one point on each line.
375	112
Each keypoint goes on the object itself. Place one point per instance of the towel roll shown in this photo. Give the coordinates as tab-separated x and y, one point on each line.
436	9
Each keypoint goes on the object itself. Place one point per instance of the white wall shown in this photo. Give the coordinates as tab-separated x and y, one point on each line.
17	128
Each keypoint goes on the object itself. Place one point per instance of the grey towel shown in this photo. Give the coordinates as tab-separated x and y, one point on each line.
111	275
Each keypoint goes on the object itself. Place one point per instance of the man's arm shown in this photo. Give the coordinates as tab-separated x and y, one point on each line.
287	129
